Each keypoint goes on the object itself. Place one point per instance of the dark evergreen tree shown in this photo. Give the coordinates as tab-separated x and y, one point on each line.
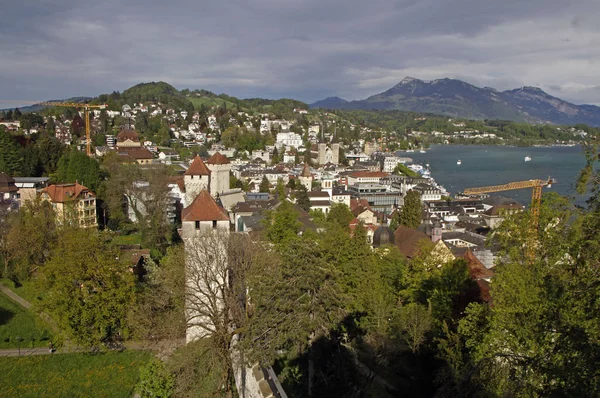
411	214
264	185
302	198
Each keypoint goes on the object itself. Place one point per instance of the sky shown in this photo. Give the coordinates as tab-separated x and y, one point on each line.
303	49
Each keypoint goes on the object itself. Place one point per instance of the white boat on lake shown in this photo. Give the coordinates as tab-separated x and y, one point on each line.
527	159
458	162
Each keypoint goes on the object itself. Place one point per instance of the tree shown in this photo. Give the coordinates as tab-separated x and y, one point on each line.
302	198
414	321
541	327
282	225
280	189
90	288
341	215
275	156
17	114
264	185
216	270
402	169
145	193
155	381
395	220
30	239
77	126
10	158
295	301
410	214
159	313
76	166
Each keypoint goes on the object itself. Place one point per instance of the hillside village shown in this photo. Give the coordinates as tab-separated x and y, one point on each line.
198	174
299	156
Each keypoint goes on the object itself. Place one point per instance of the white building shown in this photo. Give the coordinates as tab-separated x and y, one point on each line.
289	140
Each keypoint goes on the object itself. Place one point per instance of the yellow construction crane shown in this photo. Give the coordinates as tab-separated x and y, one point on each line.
536	197
86	110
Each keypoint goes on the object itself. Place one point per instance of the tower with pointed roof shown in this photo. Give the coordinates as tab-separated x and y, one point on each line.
196	178
306	177
204	231
220	168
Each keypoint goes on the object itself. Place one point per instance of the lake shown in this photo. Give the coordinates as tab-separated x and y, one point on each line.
494	165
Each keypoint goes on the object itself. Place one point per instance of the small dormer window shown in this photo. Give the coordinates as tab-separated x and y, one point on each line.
214	224
197	224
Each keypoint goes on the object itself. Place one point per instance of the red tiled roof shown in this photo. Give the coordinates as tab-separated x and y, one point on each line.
476	268
306	171
204	208
407	240
65	192
354	203
136	152
124	135
197	168
218	158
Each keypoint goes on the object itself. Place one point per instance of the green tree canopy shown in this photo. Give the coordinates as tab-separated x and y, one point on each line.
264	186
76	166
302	198
411	213
90	288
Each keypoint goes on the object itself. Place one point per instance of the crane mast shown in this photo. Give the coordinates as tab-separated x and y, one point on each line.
86	110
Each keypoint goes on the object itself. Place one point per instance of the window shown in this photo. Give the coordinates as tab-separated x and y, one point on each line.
214	224
197	224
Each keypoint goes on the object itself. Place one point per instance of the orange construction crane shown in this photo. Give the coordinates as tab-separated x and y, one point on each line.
86	110
536	197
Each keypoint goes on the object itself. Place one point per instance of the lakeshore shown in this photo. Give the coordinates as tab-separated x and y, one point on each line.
493	165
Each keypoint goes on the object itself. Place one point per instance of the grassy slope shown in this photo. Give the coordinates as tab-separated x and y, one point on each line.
16	321
28	290
210	102
71	375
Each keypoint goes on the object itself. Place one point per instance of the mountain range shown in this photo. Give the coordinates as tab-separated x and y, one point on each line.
459	99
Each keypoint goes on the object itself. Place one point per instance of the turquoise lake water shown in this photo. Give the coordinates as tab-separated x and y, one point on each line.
494	165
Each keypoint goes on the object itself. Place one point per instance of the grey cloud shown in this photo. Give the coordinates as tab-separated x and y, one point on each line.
301	49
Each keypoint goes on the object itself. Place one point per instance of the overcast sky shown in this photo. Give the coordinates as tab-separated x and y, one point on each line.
304	49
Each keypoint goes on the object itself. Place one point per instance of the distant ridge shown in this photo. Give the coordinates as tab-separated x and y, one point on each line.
457	98
329	102
37	107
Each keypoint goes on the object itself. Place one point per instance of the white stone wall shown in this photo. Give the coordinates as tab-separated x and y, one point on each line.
193	186
219	178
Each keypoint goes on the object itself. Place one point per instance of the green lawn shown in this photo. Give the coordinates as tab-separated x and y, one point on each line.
28	290
20	327
131	239
71	375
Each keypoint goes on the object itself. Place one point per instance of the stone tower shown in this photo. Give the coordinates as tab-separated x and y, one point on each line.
335	153
327	184
220	168
196	178
436	232
205	232
327	154
306	177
